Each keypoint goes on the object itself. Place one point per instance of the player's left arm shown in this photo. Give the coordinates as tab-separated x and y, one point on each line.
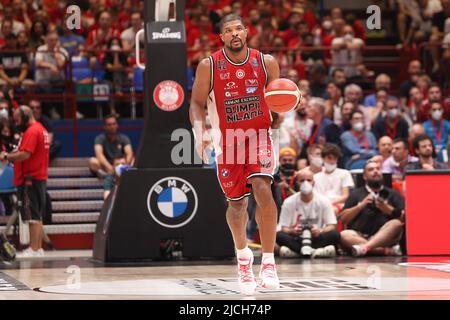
273	69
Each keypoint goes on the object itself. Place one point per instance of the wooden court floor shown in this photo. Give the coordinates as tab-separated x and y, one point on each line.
74	275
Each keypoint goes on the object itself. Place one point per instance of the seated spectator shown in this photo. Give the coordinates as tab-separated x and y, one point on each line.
9	18
323	130
347	52
108	146
314	157
382	81
347	109
414	69
14	65
338	76
438	129
415	131
307	221
334	102
69	40
392	124
6	29
353	93
55	146
384	148
285	180
333	183
128	35
299	126
99	37
318	78
396	164
434	95
423	146
415	106
372	216
38	34
50	63
116	63
358	145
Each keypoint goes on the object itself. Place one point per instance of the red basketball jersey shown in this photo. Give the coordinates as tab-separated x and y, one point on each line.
236	97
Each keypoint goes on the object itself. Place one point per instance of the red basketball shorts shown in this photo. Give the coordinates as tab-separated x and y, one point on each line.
239	162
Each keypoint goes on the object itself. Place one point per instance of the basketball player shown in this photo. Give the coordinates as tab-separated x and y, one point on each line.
231	82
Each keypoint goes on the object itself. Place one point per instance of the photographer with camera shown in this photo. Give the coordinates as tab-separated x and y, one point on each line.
372	215
285	177
307	224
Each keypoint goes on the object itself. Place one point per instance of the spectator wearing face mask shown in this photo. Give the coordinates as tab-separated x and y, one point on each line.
285	180
307	224
314	153
333	183
438	129
392	123
358	145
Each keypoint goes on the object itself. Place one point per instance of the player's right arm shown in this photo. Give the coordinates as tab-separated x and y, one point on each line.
199	97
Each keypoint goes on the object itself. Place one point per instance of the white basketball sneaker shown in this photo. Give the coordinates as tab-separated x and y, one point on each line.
246	278
268	275
325	252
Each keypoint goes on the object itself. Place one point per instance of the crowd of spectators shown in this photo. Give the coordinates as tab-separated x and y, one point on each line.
349	117
308	42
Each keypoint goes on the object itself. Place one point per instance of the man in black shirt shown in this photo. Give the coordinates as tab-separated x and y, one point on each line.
55	146
13	64
423	146
109	146
372	216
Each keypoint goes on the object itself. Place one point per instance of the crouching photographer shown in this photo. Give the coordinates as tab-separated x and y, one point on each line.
373	215
307	224
285	181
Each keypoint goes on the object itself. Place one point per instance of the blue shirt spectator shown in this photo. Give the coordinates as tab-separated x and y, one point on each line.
358	145
438	129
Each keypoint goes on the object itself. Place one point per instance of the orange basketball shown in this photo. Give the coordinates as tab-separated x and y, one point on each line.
282	95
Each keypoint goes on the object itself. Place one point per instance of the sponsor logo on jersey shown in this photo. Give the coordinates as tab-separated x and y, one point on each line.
168	95
231	94
251	90
221	65
241	109
255	62
172	202
230	85
224	76
265	163
251	82
240	74
225	173
228	184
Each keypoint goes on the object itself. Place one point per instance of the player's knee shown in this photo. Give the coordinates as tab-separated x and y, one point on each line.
238	206
262	191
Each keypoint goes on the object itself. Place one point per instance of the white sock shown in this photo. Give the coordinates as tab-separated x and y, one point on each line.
245	253
267	257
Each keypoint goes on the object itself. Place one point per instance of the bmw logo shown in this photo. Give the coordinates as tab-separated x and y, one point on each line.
172	202
225	173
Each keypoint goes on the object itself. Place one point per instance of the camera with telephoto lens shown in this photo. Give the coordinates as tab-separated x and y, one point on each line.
306	249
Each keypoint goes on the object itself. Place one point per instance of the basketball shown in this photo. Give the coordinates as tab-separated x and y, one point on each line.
282	95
